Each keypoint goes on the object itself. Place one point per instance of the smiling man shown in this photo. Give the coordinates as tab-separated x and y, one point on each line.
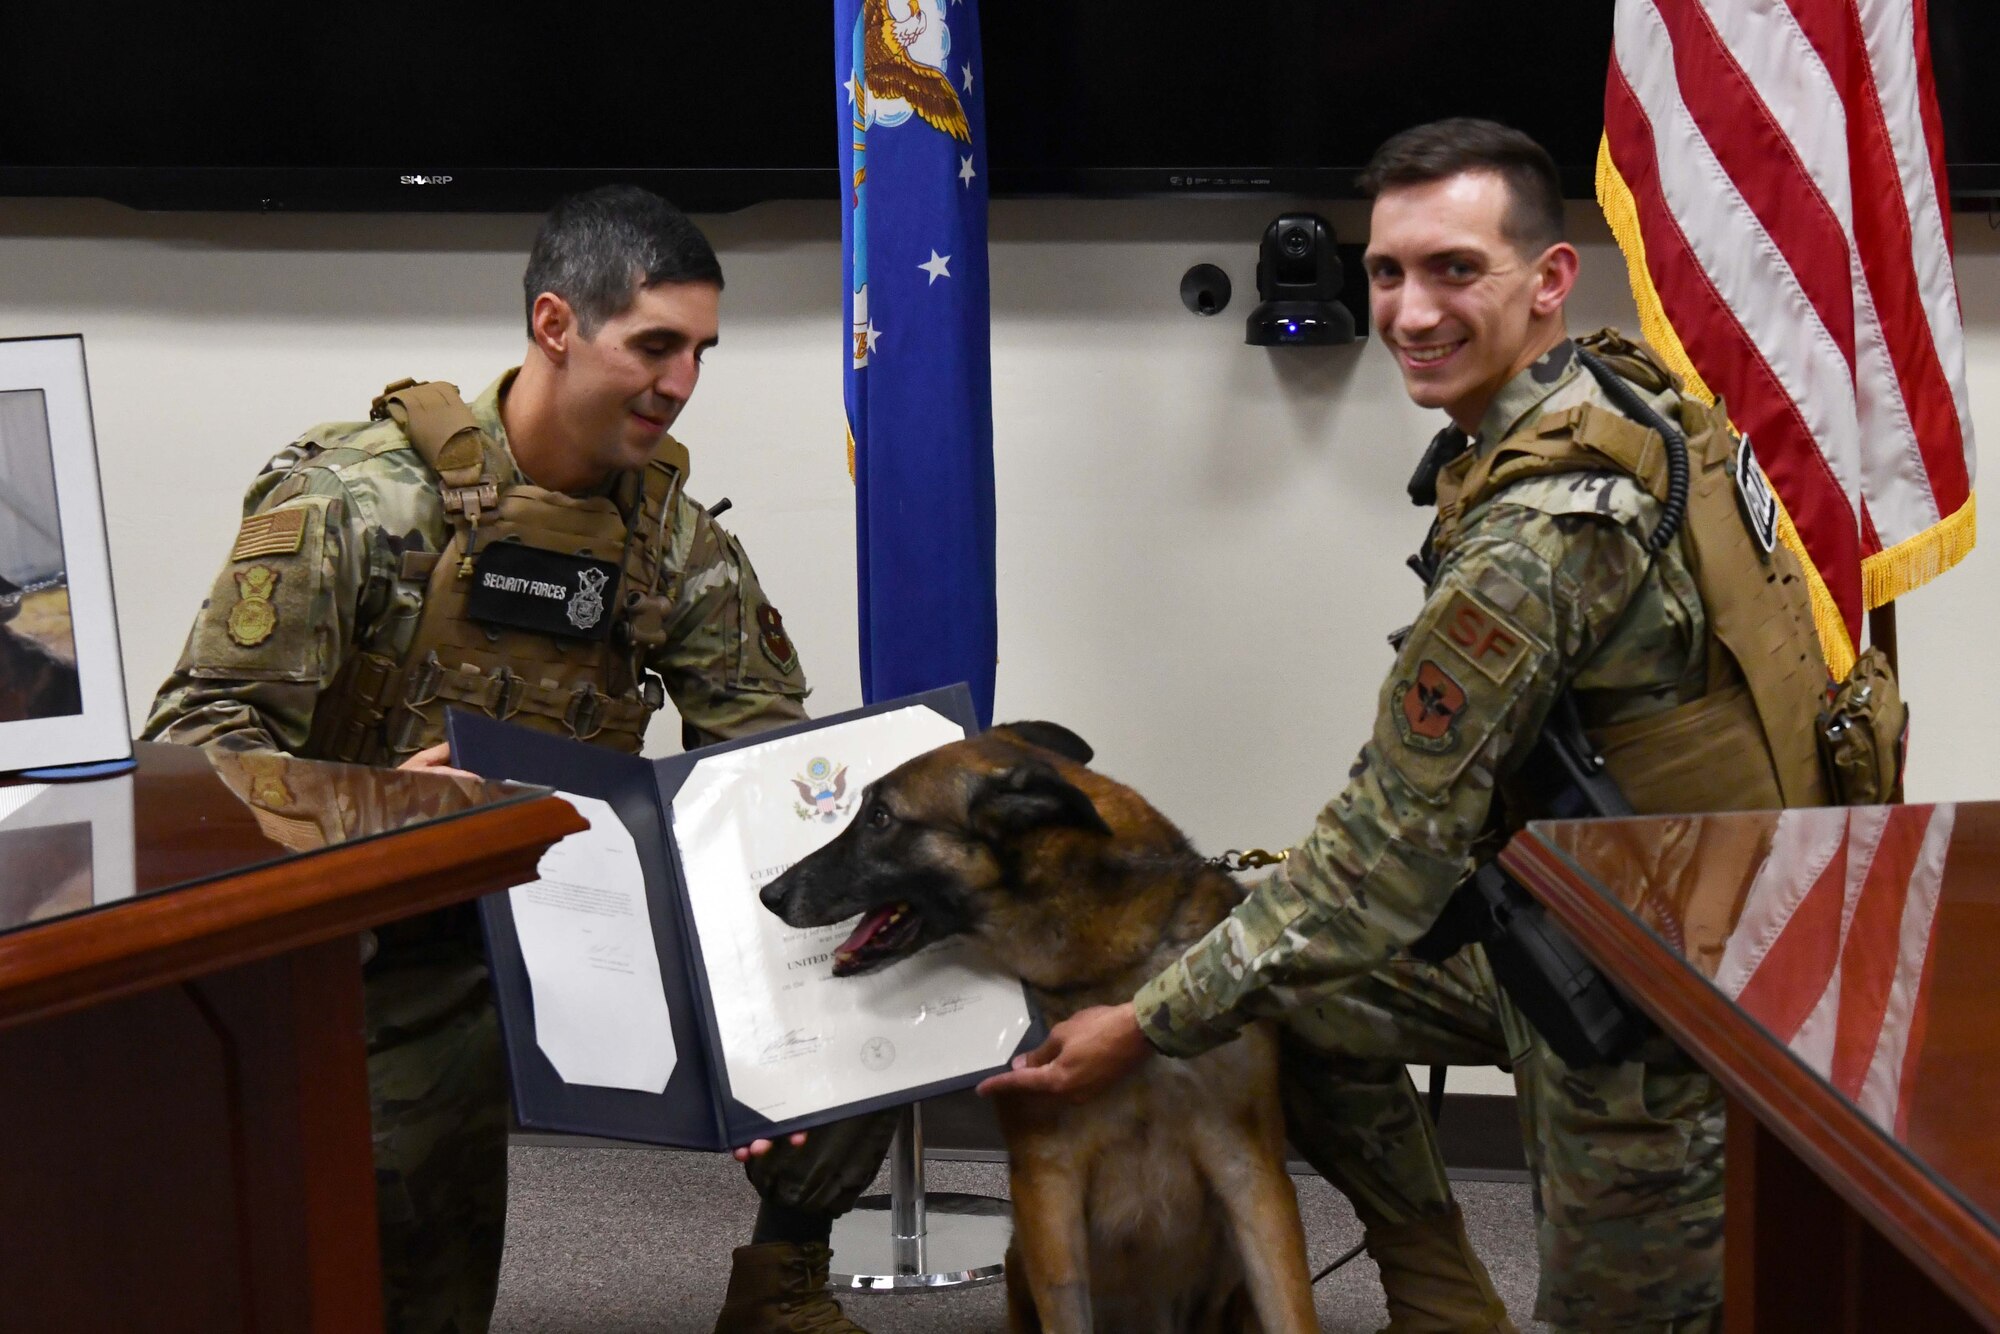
1557	566
532	554
1467	275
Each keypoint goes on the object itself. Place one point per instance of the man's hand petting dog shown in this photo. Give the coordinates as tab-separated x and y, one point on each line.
1083	1055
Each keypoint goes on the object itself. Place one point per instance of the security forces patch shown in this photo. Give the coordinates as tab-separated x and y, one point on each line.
1430	703
1485	640
547	592
771	636
253	618
266	775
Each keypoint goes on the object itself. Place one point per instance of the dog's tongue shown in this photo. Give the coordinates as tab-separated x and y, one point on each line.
870	924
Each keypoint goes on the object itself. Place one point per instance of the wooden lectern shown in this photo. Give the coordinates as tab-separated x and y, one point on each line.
1833	969
184	1133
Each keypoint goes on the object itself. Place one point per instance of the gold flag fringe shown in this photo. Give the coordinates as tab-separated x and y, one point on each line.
1915	561
1621	211
1886	575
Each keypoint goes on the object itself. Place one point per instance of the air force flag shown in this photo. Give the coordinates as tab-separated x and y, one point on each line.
919	388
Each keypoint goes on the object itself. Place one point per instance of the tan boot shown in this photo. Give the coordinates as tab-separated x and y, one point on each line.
780	1288
1434	1282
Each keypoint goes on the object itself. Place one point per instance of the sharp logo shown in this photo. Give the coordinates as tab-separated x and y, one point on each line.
425	180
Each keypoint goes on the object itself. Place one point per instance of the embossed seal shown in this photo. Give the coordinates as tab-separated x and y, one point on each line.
878	1053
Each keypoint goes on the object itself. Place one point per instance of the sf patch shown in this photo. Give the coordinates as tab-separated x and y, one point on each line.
1482	637
1430	703
771	637
253	617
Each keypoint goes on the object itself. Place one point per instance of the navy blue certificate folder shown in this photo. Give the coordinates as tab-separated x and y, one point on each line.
735	1076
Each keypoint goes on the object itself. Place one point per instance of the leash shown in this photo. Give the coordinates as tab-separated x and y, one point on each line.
1240	859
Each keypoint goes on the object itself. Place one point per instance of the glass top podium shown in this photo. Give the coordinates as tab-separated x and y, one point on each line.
1835	970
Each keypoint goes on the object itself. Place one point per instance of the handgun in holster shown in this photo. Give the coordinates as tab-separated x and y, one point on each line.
1554	985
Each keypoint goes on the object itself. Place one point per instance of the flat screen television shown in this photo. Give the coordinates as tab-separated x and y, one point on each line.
430	105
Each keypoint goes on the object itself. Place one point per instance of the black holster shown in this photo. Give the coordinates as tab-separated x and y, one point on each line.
1581	1016
1556	988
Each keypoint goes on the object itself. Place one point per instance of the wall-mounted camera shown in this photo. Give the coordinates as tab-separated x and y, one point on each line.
1298	284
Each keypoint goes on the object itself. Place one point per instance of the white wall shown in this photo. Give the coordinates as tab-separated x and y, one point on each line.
1201	543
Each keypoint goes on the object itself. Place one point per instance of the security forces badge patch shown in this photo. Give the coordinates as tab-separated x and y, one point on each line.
253	618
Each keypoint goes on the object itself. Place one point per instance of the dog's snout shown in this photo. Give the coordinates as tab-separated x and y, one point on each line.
773	896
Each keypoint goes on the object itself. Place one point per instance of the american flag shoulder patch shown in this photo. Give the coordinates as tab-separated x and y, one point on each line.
277	533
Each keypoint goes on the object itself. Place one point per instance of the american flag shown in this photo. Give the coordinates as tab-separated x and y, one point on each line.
1773	171
1832	953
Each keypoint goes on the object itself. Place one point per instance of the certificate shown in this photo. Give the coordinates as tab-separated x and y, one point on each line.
796	1040
587	943
646	993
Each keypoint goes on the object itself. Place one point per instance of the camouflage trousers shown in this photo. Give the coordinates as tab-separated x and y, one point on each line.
827	1173
438	1095
1626	1160
437	1091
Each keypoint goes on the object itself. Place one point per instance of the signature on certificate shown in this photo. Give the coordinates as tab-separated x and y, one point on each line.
611	957
792	1042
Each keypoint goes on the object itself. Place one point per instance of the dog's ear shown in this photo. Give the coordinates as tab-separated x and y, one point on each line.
1050	736
1031	795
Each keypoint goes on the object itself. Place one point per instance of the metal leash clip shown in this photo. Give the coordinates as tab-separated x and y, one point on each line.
1238	859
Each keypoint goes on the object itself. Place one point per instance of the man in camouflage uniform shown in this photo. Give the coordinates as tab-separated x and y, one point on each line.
1542	586
331	569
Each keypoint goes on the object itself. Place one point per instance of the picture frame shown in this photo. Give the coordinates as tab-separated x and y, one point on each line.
62	683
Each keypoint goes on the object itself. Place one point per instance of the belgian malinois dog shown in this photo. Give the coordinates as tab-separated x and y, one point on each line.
1164	1204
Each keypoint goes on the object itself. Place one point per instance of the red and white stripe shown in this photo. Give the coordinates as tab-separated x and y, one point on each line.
1786	166
1832	952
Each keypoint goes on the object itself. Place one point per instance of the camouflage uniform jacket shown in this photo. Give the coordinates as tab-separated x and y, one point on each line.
1547	585
366	498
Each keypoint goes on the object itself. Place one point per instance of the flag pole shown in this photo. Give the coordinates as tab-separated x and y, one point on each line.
1882	634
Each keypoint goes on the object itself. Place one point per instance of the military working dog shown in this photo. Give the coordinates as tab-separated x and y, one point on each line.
1163	1205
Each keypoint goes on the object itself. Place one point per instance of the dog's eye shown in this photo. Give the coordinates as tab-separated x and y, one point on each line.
878	817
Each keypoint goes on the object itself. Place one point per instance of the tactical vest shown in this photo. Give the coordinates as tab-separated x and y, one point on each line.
1750	741
380	709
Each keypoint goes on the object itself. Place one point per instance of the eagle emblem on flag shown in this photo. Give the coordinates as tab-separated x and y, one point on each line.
898	71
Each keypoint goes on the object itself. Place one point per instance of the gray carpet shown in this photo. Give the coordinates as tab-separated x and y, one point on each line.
617	1241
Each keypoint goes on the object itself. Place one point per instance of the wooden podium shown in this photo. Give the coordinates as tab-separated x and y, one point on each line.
184	1133
1848	1010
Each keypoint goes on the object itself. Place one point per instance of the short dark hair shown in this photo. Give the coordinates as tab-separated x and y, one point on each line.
1443	148
597	250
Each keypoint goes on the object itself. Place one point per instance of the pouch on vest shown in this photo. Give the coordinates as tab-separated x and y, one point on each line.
1864	734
